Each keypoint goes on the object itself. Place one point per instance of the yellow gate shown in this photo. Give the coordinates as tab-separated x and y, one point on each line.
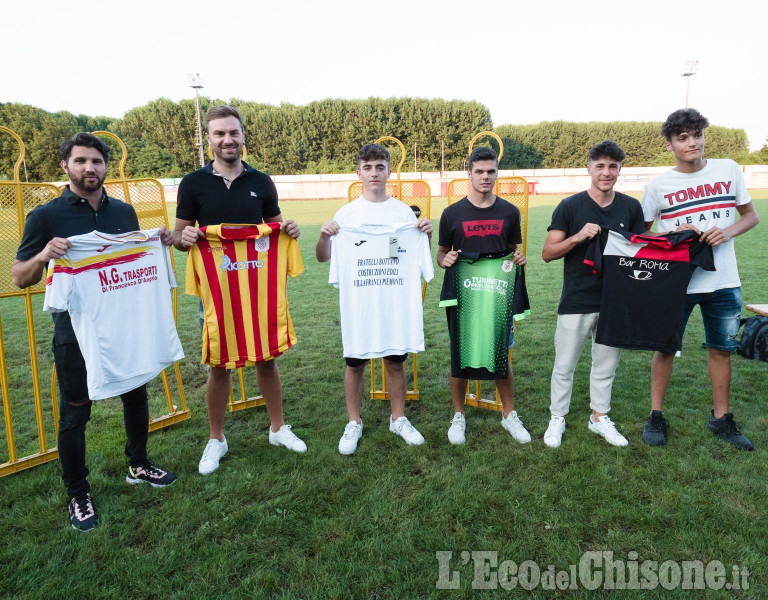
417	194
515	191
27	437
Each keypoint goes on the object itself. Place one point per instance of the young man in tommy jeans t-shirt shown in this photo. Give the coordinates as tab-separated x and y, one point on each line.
374	207
481	222
703	195
576	221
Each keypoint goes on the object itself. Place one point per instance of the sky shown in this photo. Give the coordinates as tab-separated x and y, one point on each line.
526	61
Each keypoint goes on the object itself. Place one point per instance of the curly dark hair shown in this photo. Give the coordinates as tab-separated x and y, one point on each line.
372	152
607	148
87	140
482	153
685	119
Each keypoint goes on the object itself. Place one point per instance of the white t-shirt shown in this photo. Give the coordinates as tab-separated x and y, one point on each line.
379	296
706	199
116	289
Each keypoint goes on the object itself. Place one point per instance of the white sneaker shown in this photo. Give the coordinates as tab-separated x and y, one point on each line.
514	425
554	433
348	442
607	429
285	437
405	430
212	454
457	428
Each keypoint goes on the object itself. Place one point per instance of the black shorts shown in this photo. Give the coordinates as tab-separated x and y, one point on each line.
356	362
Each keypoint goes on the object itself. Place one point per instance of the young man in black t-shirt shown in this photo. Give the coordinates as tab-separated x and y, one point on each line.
575	221
481	222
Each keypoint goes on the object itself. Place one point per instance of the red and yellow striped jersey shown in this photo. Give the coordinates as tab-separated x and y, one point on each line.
240	273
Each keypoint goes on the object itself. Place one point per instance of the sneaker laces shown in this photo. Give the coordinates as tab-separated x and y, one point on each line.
349	430
286	431
152	470
209	448
83	507
458	419
609	424
405	424
656	423
730	425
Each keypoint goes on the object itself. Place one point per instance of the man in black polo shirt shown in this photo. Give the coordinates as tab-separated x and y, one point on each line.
83	207
228	190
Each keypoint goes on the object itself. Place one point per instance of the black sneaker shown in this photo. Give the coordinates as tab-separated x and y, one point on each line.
82	515
725	428
655	430
149	474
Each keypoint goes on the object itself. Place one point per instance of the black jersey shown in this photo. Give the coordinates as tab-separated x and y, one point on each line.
644	286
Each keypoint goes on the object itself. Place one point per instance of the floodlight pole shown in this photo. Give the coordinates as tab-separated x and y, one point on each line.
690	71
194	79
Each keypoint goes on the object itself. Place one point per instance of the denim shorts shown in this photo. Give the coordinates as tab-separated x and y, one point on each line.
721	312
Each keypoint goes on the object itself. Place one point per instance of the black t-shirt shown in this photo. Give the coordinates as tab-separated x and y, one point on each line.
465	227
204	198
582	289
646	279
69	215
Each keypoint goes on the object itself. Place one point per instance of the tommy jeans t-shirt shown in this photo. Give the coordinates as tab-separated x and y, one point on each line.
644	286
706	199
240	273
116	290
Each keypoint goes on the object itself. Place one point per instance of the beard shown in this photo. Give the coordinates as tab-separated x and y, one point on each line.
229	158
87	186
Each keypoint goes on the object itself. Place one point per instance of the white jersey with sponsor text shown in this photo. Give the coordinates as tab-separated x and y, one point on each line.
378	271
116	289
706	199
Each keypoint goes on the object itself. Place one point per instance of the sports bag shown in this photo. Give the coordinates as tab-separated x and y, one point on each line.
754	339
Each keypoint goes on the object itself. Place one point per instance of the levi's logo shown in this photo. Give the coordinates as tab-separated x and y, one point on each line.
483	228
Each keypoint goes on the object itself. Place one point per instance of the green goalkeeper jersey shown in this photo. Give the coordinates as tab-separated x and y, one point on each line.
483	295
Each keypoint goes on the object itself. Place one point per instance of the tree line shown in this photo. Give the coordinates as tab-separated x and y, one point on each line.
324	136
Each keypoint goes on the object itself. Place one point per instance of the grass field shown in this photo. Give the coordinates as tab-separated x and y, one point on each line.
273	524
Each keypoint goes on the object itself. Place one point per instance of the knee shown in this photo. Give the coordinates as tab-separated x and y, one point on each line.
268	367
73	415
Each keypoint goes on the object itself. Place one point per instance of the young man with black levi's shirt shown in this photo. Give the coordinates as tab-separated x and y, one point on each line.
703	195
575	221
227	190
481	222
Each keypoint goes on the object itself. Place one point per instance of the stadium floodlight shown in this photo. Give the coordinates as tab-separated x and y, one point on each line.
194	83
690	70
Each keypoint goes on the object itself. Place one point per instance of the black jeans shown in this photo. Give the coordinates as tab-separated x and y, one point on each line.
75	411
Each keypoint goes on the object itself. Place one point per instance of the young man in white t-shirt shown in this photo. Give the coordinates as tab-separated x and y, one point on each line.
703	195
373	207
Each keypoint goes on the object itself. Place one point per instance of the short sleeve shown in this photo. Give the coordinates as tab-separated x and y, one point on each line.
650	203
515	234
191	286
269	207
740	191
561	218
295	263
444	238
58	285
187	208
33	239
425	258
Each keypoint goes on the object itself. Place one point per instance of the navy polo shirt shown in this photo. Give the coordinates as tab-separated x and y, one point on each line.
69	215
205	199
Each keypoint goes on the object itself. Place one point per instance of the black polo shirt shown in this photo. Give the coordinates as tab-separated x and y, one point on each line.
204	197
69	215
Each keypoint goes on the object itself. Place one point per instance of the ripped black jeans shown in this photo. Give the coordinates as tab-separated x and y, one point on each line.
75	411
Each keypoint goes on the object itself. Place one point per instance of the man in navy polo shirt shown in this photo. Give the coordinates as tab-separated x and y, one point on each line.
227	190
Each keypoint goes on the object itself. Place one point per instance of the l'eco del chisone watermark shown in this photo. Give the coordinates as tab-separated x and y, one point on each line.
595	570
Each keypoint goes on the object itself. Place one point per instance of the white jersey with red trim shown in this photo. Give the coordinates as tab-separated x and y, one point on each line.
705	199
116	289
